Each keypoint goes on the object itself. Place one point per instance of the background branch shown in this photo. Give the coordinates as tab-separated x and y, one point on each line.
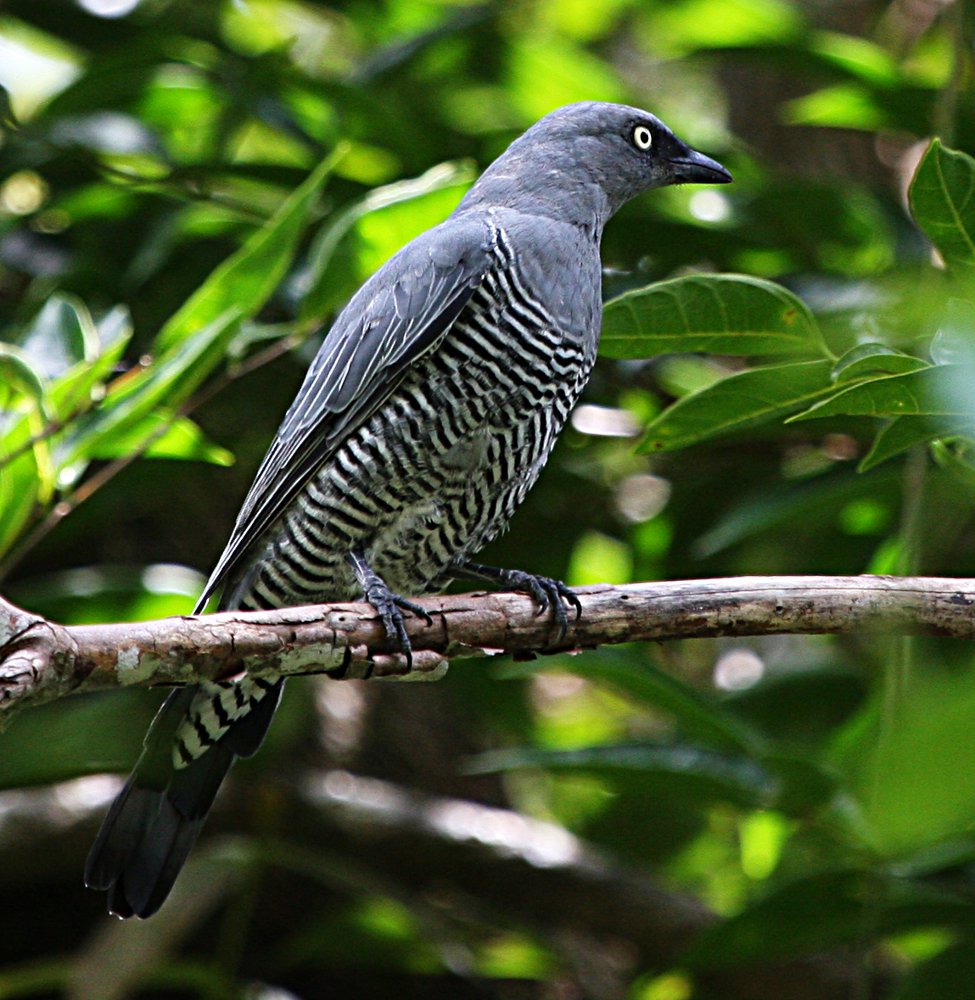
455	862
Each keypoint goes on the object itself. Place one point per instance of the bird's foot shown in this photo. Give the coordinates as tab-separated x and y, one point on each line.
546	591
389	605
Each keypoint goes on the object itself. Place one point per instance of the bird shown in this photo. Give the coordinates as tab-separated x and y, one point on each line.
427	414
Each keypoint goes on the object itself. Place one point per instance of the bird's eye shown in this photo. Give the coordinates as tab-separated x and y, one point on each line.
642	137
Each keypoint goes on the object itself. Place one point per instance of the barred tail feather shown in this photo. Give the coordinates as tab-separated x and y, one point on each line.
156	818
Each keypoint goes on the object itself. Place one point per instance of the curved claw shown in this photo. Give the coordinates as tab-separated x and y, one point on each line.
413	608
537	587
385	602
570	597
545	591
565	596
376	591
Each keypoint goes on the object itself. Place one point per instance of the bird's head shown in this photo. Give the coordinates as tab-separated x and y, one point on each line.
593	157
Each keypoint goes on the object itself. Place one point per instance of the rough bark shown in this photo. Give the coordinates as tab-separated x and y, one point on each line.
41	661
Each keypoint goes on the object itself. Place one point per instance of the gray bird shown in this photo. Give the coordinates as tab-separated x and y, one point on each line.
425	418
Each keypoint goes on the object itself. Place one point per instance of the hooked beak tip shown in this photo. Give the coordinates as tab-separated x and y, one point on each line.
696	168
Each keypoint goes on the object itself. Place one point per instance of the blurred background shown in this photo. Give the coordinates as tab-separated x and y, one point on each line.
188	192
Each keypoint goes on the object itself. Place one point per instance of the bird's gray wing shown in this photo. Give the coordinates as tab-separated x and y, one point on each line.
400	313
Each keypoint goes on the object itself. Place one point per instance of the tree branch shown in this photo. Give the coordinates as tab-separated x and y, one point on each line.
41	661
453	862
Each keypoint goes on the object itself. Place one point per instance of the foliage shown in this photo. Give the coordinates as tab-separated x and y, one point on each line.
188	192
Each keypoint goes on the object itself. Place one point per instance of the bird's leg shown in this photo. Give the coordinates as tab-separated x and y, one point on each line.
376	591
545	591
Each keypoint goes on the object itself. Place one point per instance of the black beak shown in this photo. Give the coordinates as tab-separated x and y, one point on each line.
692	167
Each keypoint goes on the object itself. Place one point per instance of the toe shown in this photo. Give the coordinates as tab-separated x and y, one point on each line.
414	609
570	597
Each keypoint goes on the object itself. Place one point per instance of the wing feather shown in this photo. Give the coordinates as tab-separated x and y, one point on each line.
401	312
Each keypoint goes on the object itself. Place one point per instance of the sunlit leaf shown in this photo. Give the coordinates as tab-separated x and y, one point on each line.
341	256
905	771
167	382
161	435
582	20
61	335
859	57
846	105
20	377
695	24
26	470
107	592
76	389
697	715
244	281
30	447
719	314
544	72
600	558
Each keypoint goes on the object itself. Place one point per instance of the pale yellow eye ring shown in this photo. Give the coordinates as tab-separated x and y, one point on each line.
642	137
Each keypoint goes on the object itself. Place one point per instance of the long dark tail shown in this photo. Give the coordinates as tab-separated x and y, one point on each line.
155	820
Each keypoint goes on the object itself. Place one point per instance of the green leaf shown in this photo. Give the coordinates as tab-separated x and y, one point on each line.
108	592
196	337
547	70
904	433
7	117
936	390
76	388
19	482
743	400
857	57
29	472
26	472
865	360
405	209
775	504
60	336
21	479
718	314
812	913
950	973
916	739
844	105
697	715
162	435
942	202
688	25
166	383
19	377
244	281
692	771
80	736
954	340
